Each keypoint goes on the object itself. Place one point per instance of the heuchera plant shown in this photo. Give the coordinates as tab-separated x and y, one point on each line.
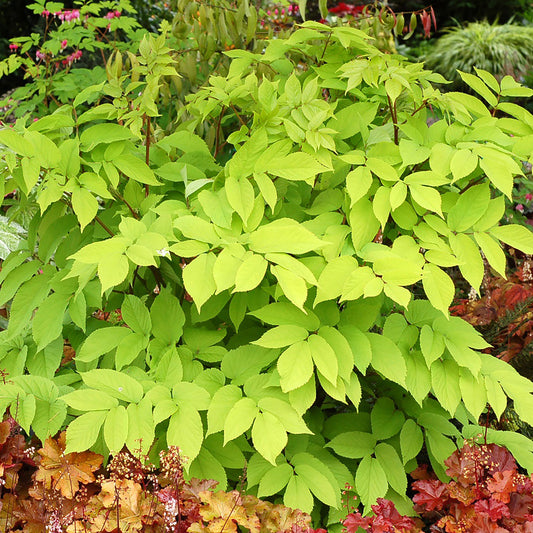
49	490
486	494
503	313
281	282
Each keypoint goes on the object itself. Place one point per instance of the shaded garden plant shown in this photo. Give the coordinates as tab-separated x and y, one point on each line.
279	261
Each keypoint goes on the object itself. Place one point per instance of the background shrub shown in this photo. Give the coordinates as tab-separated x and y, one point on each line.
501	49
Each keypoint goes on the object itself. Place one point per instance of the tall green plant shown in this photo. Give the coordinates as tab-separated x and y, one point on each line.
501	49
283	305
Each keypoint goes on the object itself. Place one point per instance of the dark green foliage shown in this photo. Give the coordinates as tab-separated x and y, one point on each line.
15	20
448	13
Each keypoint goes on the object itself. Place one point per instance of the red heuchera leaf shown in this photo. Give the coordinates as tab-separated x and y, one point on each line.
421	472
472	464
500	459
387	518
354	521
502	485
482	524
502	296
494	508
521	506
12	455
462	464
432	494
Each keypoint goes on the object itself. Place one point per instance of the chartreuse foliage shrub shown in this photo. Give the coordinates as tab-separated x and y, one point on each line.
285	304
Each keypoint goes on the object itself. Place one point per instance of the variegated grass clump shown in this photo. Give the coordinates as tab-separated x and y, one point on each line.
500	49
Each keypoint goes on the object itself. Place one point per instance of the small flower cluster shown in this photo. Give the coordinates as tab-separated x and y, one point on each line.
14	46
280	15
65	16
281	12
72	57
112	14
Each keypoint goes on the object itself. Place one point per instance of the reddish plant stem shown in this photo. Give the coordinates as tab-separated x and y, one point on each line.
147	159
217	135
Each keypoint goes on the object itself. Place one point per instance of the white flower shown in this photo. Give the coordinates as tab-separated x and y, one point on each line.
163	252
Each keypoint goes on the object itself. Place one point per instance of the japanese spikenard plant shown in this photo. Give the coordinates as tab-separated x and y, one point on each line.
286	304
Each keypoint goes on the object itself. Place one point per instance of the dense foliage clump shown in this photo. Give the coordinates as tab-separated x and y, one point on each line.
262	276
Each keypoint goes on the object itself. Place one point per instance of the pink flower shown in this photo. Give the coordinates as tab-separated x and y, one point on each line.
45	13
14	46
64	43
110	15
117	13
39	55
72	57
520	208
67	16
529	197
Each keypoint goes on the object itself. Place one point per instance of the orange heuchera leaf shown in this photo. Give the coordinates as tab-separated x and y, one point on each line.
33	514
465	495
5	430
223	511
121	505
276	518
124	493
502	485
8	504
65	472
